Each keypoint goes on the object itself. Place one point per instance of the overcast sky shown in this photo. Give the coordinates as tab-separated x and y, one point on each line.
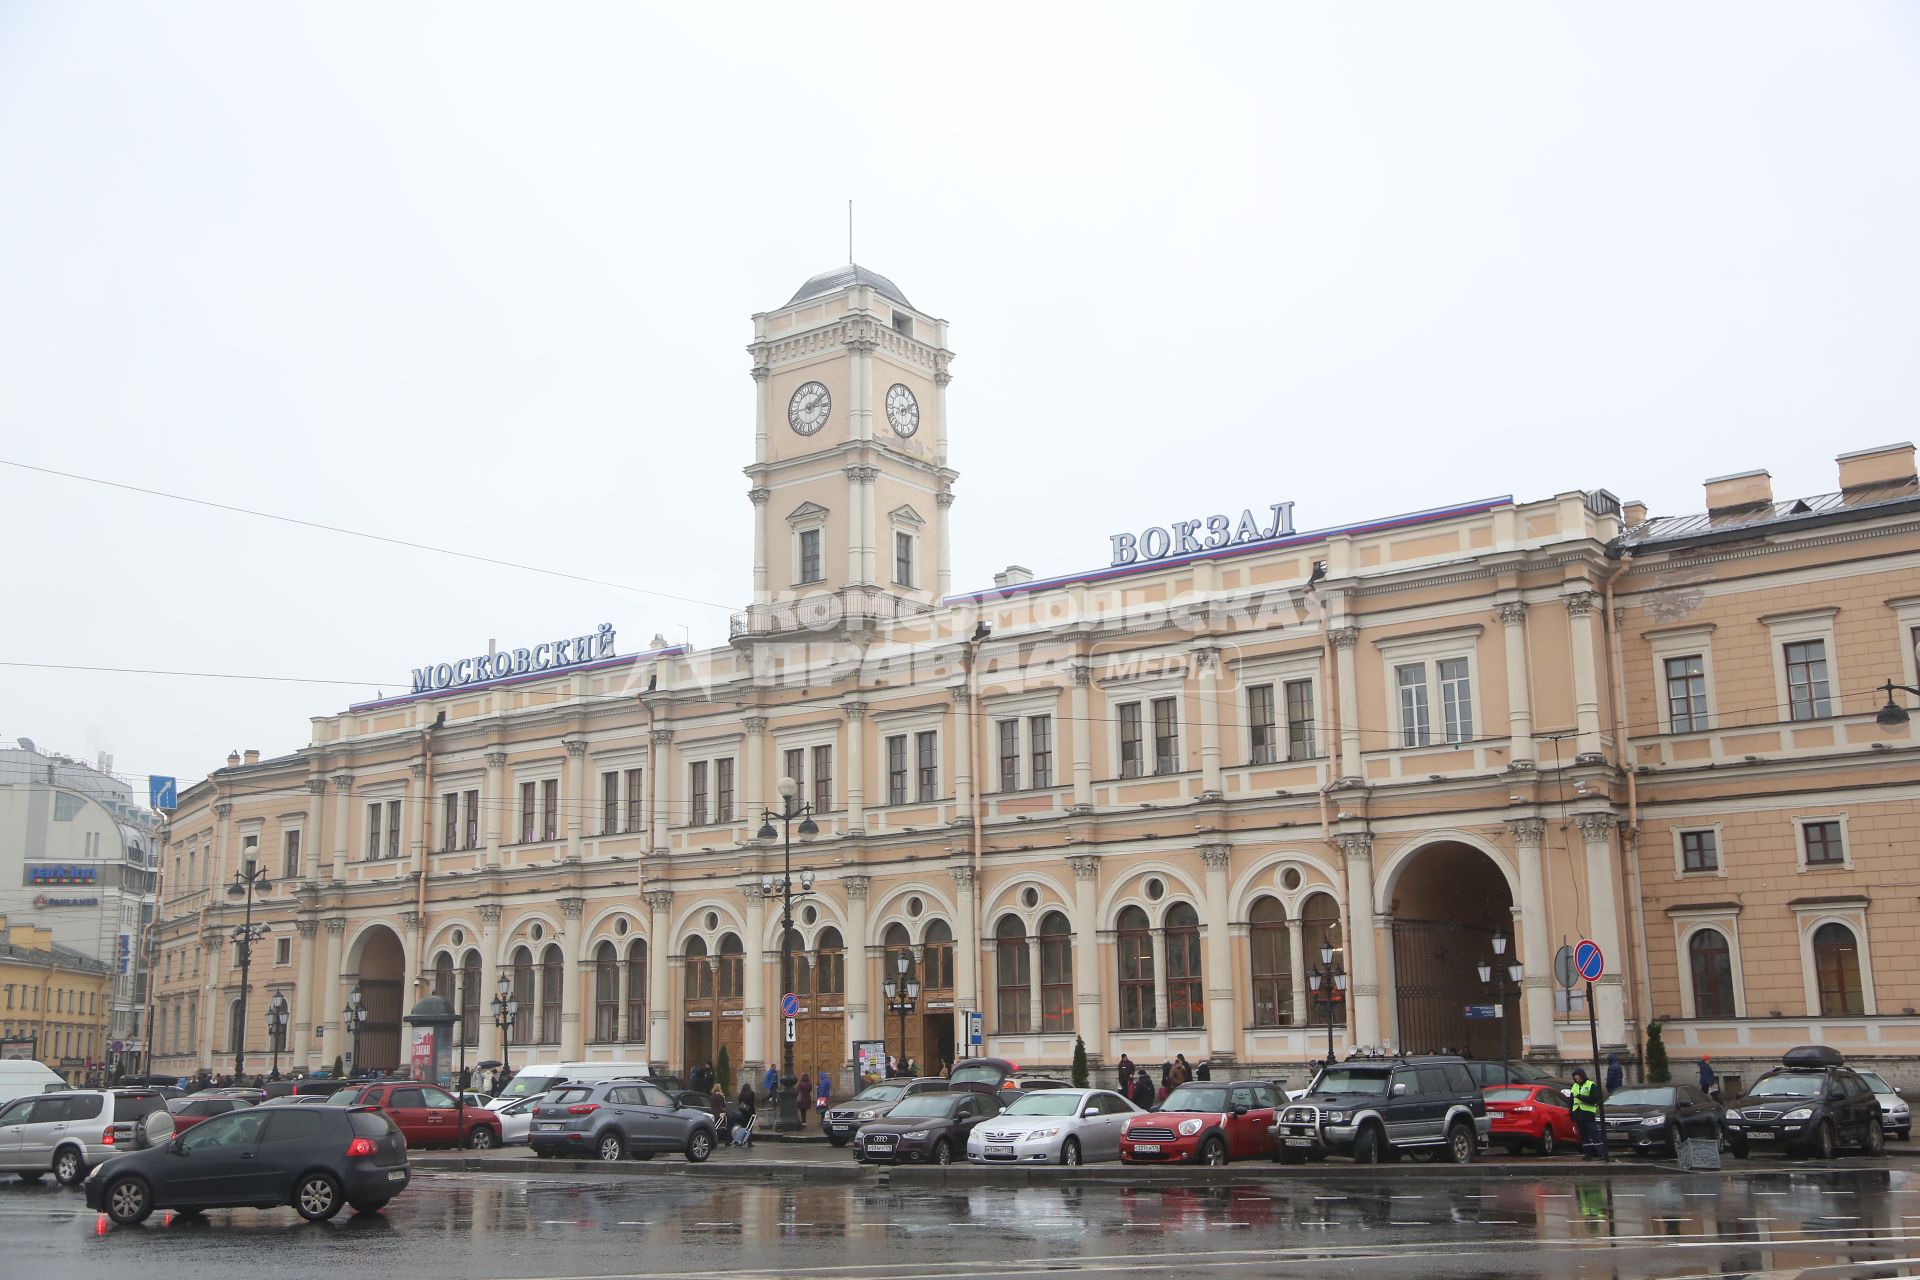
482	277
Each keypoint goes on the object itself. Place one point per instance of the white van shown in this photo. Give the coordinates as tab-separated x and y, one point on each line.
22	1076
538	1077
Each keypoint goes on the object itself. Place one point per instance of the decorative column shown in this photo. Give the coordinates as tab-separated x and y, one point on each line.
342	823
1297	971
659	989
963	766
332	992
1035	1015
1389	1001
1207	662
757	1041
756	764
310	835
411	961
416	806
1158	938
1081	735
1087	1018
1223	1039
489	979
1513	617
495	803
212	1007
966	988
856	713
944	502
573	799
857	973
223	841
1343	640
661	762
758	495
1364	982
859	522
572	1002
1586	678
1534	944
1603	926
302	1042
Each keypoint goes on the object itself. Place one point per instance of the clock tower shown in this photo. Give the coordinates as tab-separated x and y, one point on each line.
851	486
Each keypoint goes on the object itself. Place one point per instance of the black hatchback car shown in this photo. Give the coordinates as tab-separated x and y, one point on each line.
931	1128
1656	1117
1811	1104
313	1158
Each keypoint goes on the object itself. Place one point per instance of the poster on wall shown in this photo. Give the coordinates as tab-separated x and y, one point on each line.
17	1049
871	1055
423	1054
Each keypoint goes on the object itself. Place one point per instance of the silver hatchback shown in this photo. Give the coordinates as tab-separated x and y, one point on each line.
68	1133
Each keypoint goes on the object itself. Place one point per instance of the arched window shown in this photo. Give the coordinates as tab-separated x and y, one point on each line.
897	945
699	980
1712	965
1836	966
1135	950
733	966
606	994
522	995
443	976
1320	926
1185	1009
795	974
1056	973
939	956
470	998
553	982
1013	975
637	991
236	1030
830	963
1271	958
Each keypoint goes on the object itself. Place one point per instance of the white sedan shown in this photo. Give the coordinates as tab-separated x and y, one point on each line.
1053	1126
515	1117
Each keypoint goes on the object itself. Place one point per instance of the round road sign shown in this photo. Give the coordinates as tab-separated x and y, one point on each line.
1588	960
1563	971
789	1005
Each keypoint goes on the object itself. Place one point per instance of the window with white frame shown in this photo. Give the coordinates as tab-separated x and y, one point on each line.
1262	727
902	558
926	766
1803	654
723	789
896	768
1686	693
550	809
823	778
1683	672
635	781
1131	742
290	854
1699	850
1823	842
609	802
809	559
1040	751
1166	735
1007	752
1410	684
697	793
1431	679
793	764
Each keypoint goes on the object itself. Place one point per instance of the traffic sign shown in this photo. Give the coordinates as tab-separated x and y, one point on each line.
793	1031
1589	961
789	1006
161	793
1563	971
976	1025
1485	1011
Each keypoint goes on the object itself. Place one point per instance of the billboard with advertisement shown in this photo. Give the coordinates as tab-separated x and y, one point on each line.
422	1055
17	1049
870	1057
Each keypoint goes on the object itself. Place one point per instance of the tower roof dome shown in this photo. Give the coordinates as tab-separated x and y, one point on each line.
845	277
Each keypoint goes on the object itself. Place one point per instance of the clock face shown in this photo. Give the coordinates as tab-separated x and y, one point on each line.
809	409
903	411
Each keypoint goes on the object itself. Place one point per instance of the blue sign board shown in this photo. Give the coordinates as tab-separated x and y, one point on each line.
1588	959
1485	1011
161	793
975	1028
789	1005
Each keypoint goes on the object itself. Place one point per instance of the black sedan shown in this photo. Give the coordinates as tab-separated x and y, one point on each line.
1657	1117
313	1158
931	1128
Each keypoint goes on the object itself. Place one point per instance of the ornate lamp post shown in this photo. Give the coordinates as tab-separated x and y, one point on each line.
790	808
505	1010
246	883
1497	975
354	1019
1331	976
901	993
277	1019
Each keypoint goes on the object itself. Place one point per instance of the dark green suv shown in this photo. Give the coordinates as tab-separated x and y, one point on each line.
1376	1109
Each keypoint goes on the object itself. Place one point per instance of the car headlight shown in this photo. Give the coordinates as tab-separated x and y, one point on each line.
1336	1117
1734	1114
1038	1134
867	1115
1190	1127
1799	1113
915	1136
1653	1122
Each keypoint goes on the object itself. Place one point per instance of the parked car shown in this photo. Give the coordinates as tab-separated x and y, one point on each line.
298	1100
1896	1118
472	1099
535	1078
842	1122
515	1118
1530	1117
192	1109
1655	1117
613	1119
1811	1104
315	1159
1377	1109
989	1074
1205	1122
1053	1126
1486	1072
927	1128
427	1115
321	1085
69	1132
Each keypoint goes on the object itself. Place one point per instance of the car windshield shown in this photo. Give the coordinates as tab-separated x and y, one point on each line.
1790	1086
1045	1104
343	1097
927	1104
879	1093
524	1085
1875	1083
1510	1094
1641	1097
980	1074
1190	1097
1351	1080
1527	1071
564	1097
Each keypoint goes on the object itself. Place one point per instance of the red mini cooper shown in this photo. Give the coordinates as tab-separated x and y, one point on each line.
1205	1122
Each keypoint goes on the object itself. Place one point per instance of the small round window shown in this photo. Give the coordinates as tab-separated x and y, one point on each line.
1290	878
1156	888
713	919
538	931
620	925
915	907
459	936
809	915
1030	896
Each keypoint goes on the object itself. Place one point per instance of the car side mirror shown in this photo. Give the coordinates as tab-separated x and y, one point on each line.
1686	1103
1399	1089
1239	1111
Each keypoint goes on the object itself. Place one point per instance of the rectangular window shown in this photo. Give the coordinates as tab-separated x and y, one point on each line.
450	822
822	779
697	792
927	764
1008	734
471	803
609	803
527	792
393	828
376	813
1699	851
290	856
810	556
1130	757
1166	736
723	789
1040	751
902	559
1456	699
636	800
1300	736
795	760
1807	680
1260	725
897	769
283	950
1823	844
1412	682
550	809
1687	693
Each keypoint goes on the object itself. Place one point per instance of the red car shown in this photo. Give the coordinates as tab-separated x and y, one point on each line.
190	1111
1205	1122
426	1115
1535	1116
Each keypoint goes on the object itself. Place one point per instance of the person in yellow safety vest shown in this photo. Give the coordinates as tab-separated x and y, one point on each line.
1586	1114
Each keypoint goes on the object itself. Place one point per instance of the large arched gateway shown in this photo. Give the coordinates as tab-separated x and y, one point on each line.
1449	901
378	964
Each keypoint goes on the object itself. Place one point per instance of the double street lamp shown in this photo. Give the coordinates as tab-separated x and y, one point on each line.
355	1018
901	992
246	882
277	1019
790	808
1497	976
505	1010
1331	976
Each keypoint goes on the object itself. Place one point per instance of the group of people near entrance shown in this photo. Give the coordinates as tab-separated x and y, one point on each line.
809	1092
1137	1086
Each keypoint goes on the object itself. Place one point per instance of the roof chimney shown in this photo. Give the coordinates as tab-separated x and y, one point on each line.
1742	493
253	757
233	759
1865	468
1633	512
1012	576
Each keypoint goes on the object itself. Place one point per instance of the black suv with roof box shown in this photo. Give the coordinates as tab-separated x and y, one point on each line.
1376	1109
1811	1104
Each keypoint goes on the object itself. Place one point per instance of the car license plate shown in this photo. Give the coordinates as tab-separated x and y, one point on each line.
549	1125
397	1175
839	1128
1148	1148
1759	1133
999	1151
1299	1142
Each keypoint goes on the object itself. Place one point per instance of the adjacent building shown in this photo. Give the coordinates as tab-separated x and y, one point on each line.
54	1003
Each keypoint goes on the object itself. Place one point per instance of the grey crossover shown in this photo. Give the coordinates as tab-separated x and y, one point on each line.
614	1119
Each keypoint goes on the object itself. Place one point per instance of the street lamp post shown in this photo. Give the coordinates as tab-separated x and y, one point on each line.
1331	976
355	1018
277	1018
250	880
505	1010
1893	715
901	993
1497	975
790	808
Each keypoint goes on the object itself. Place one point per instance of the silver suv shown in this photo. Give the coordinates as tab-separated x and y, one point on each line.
67	1133
614	1119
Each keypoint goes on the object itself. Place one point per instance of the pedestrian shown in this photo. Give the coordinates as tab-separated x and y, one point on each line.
717	1103
893	1069
1142	1089
803	1095
1126	1075
824	1090
1586	1114
1181	1071
1709	1082
1204	1071
1166	1081
1615	1075
747	1101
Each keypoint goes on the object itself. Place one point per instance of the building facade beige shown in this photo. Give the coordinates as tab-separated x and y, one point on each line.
1135	805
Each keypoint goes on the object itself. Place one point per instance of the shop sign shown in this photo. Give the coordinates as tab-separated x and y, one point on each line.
1190	537
59	874
548	655
44	901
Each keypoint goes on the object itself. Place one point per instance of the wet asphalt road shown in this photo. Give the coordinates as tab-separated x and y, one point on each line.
503	1227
